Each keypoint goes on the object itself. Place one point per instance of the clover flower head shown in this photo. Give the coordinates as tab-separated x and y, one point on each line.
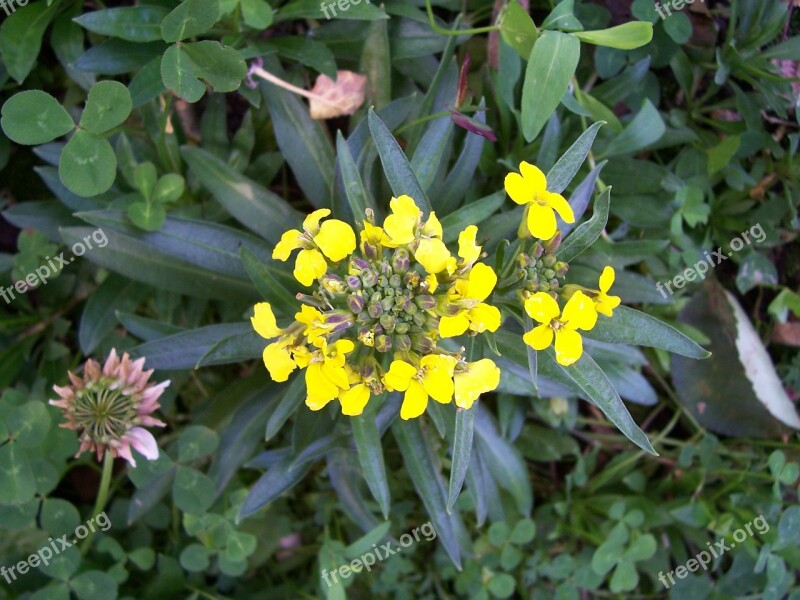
386	300
111	406
529	188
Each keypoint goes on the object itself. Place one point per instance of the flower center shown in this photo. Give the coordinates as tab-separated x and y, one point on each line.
104	413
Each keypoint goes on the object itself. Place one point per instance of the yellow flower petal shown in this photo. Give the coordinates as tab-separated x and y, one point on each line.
405	206
569	346
311	224
320	389
432	254
399	375
290	241
539	337
432	227
455	325
336	239
432	282
483	317
541	221
480	377
372	234
607	279
579	312
278	360
309	266
482	280
516	187
605	305
542	307
438	377
468	250
354	400
415	401
264	321
561	206
336	374
534	177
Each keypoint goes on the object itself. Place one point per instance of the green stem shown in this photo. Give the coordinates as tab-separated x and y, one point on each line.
102	496
472	31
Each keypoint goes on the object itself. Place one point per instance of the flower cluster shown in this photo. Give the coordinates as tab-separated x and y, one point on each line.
378	308
542	274
110	407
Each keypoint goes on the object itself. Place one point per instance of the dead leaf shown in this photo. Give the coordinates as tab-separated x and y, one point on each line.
344	96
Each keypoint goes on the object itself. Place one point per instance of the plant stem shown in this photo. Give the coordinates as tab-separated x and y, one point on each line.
102	496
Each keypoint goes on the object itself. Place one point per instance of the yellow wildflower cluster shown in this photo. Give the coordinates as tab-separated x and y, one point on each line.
541	271
379	307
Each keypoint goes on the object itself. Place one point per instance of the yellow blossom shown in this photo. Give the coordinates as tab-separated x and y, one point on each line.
314	322
401	224
603	302
278	359
326	374
432	253
354	400
373	235
530	188
476	316
579	313
433	378
264	321
468	250
478	378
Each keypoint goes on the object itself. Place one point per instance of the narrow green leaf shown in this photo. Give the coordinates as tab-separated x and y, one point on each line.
431	151
357	197
34	117
278	479
551	65
598	390
293	397
586	233
376	64
462	450
255	207
370	456
395	164
630	326
132	23
21	36
474	212
272	283
421	465
518	29
562	173
99	314
646	128
183	350
624	37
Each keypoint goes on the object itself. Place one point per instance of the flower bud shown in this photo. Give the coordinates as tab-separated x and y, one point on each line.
523	260
355	303
359	264
549	273
389	321
537	250
561	269
411	279
333	284
369	278
383	343
422	344
366	336
402	342
353	282
383	281
375	310
425	302
554	285
388	303
550	246
544	286
401	260
549	260
402	327
395	281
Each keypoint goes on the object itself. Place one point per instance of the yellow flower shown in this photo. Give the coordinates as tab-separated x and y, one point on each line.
334	239
530	189
400	226
278	359
431	253
478	378
354	399
433	378
326	374
374	236
479	283
264	321
604	303
315	324
468	250
477	316
579	313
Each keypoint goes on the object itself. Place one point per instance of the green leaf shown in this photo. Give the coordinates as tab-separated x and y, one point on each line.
678	26
144	179
188	19
502	585
272	282
599	111
196	441
87	165
240	545
474	212
17	484
625	577
642	549
195	558
565	169
59	516
312	9
302	142
192	491
170	187
462	450
518	29
292	398
421	466
34	117
132	23
623	37
370	457
646	128
108	105
99	315
551	65
524	531
598	390
116	57
178	75
148	216
21	36
357	197
431	151
562	17
586	233
255	207
256	13
630	326
29	423
376	64
396	167
94	585
278	479
721	154
222	67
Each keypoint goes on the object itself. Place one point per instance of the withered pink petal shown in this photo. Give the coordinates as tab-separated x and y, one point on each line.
112	362
76	381
149	421
124	451
143	442
91	370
